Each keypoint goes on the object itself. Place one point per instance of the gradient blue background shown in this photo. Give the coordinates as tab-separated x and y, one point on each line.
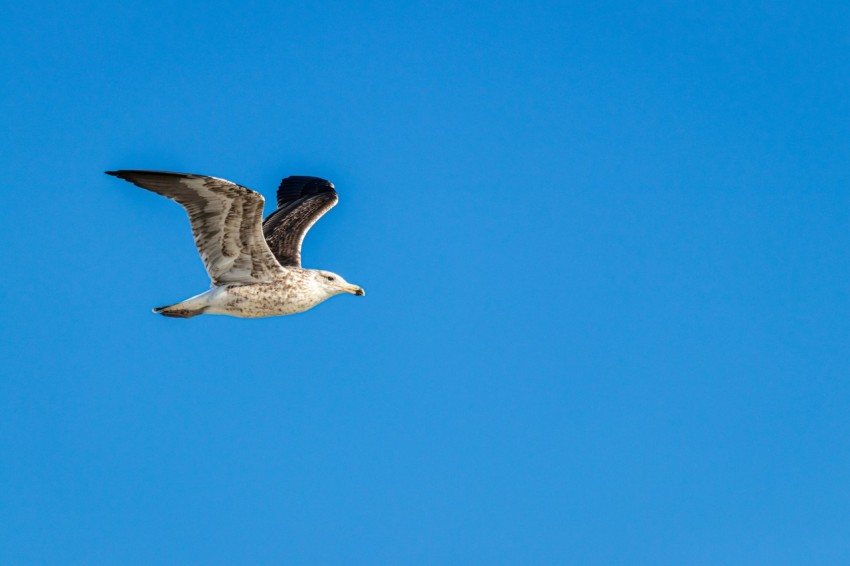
606	255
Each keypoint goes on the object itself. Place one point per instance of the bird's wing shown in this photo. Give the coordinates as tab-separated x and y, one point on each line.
300	201
226	223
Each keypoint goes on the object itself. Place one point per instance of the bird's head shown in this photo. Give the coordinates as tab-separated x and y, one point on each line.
334	284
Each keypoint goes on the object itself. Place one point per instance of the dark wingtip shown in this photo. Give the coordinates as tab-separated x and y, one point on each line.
121	173
297	186
124	173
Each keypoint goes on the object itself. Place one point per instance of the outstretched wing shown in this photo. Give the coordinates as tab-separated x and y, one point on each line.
300	201
225	220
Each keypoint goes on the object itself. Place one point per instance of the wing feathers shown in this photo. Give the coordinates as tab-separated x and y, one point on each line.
301	202
226	223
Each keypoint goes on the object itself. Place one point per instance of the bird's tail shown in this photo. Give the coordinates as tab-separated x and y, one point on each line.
179	310
199	304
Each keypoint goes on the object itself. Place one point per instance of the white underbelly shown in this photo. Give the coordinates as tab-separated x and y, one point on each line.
259	300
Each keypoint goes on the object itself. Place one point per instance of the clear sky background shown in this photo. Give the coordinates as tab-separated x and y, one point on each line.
606	255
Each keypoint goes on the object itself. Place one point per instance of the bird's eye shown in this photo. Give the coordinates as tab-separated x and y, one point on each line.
330	278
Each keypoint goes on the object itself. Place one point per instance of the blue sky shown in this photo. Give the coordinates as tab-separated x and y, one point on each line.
606	255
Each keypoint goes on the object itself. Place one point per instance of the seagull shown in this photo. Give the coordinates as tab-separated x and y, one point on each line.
254	264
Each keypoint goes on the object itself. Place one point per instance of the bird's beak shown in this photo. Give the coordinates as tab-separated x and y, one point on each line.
355	290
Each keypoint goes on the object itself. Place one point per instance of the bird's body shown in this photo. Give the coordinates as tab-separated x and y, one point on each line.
290	292
254	265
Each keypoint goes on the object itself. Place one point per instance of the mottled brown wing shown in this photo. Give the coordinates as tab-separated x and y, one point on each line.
226	223
301	202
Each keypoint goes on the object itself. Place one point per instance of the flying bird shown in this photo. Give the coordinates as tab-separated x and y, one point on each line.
254	264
